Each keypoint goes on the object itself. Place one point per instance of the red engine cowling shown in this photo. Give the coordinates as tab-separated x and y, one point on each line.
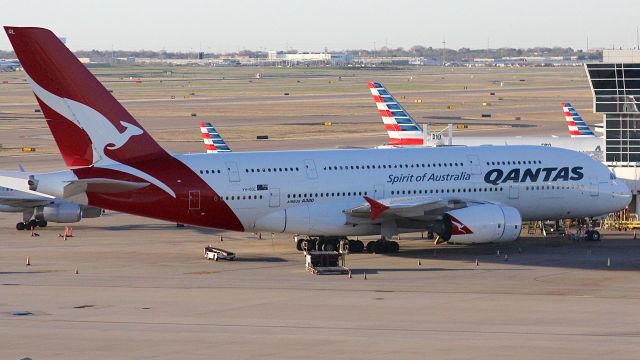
483	224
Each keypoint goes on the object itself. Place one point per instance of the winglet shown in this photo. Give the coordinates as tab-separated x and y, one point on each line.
377	208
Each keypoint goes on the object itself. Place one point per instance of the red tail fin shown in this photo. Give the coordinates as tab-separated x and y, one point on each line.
77	106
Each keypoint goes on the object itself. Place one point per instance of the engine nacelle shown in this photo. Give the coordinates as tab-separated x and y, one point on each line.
65	212
482	224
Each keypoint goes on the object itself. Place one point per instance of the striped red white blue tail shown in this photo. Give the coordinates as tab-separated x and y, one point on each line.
401	127
575	122
213	142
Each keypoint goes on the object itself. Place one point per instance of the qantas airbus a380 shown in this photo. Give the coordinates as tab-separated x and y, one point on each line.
464	194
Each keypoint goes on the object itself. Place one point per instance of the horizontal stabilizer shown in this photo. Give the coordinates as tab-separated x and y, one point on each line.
101	185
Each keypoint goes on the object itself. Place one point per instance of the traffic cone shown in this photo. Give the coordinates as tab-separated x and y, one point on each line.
28	262
419	263
76	272
221	238
349	274
477	262
365	275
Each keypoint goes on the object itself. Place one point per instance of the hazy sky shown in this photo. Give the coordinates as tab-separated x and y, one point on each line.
231	25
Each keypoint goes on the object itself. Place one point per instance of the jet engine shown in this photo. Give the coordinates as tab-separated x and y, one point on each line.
481	224
66	212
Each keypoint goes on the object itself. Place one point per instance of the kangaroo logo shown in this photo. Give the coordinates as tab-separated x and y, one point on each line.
122	138
103	134
458	228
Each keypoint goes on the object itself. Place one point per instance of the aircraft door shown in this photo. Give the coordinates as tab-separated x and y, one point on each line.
232	169
474	162
594	186
514	191
310	167
378	191
194	200
274	197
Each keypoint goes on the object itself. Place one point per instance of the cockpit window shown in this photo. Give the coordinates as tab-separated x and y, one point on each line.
612	176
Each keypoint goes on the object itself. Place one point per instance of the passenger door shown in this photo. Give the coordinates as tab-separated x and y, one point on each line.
310	167
474	161
594	186
514	191
274	197
232	170
378	191
194	200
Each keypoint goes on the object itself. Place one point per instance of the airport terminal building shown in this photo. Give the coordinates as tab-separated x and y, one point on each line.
615	86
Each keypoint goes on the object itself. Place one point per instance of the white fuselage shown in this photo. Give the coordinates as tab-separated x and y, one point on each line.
306	192
315	186
591	146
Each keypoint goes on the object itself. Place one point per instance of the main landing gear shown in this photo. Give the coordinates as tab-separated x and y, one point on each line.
28	225
327	243
383	246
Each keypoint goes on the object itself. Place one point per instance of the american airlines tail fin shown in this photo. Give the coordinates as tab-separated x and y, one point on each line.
87	122
213	142
401	127
575	122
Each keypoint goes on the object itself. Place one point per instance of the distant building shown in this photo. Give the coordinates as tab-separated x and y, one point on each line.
333	59
621	56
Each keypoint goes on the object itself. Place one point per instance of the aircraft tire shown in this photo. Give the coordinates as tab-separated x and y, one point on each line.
299	244
393	247
593	235
20	226
370	246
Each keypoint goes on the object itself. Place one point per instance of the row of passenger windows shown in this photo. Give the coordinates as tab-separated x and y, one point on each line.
291	169
379	166
519	162
441	191
390	166
243	197
555	187
333	194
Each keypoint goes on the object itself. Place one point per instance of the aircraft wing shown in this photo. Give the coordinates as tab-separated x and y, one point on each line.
213	142
23	202
412	208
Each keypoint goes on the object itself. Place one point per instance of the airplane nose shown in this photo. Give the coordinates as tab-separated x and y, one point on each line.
623	194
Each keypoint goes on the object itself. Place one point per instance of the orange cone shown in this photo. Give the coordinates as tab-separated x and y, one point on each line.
28	262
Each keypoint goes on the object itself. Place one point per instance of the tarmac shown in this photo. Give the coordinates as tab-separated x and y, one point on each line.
144	291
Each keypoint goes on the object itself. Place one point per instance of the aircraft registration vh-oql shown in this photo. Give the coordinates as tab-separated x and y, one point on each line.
464	194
